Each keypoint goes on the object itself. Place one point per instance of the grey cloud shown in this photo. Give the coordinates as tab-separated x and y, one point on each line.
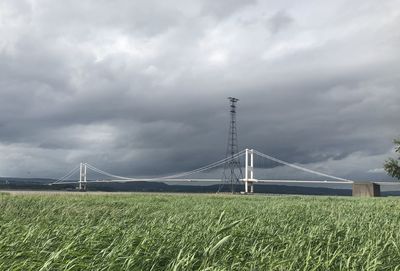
140	89
225	8
279	21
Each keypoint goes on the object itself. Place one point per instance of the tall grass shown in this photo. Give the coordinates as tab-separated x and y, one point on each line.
164	232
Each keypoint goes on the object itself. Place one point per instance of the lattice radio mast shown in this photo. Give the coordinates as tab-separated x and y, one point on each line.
232	169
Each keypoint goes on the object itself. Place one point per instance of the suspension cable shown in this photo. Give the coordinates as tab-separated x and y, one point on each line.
299	167
210	166
69	174
106	173
201	169
182	174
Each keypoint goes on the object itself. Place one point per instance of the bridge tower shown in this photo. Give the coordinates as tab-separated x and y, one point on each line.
249	172
232	169
82	177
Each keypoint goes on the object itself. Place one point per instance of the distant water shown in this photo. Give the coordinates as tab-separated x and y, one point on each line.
394	186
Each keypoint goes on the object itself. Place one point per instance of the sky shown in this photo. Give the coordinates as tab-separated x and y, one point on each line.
139	88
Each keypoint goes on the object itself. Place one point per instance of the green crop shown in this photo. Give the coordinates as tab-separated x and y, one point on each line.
198	232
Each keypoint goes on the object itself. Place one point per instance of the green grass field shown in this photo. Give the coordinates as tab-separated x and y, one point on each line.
198	232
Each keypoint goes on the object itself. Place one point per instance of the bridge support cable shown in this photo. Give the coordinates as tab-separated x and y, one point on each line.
68	175
301	168
169	177
210	166
107	174
183	174
249	178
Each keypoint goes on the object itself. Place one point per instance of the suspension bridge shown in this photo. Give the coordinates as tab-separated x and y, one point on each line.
248	180
232	170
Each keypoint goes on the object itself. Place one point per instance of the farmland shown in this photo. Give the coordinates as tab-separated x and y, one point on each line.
198	232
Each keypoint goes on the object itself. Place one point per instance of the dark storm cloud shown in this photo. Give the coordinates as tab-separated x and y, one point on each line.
279	21
140	87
